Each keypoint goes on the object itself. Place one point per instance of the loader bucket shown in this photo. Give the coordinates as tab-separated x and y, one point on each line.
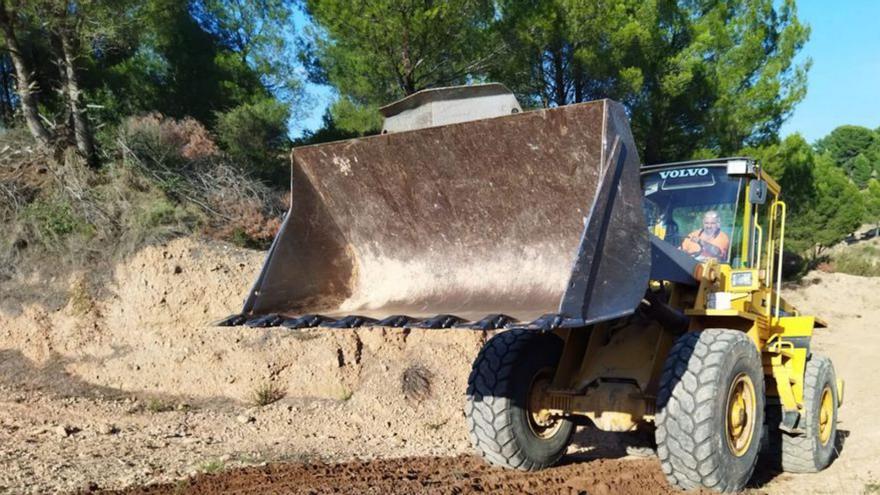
530	217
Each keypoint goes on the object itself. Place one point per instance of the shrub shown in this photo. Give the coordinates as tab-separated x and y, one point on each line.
243	210
166	149
416	382
53	219
267	393
255	137
156	406
165	142
180	158
213	466
862	260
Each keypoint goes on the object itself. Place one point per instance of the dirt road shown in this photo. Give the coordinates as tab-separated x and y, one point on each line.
126	385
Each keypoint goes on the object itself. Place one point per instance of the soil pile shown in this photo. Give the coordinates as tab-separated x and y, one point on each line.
127	352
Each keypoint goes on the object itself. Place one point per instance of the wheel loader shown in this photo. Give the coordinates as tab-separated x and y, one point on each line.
618	296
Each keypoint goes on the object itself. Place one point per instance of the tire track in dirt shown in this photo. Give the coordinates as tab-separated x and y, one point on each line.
422	475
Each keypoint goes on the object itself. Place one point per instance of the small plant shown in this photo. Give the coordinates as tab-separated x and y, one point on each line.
871	488
345	394
53	219
267	393
212	466
80	296
416	382
159	406
436	426
181	486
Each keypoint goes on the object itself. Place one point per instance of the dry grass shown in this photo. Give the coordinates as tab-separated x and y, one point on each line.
267	393
80	296
180	157
415	382
861	260
212	466
156	406
161	178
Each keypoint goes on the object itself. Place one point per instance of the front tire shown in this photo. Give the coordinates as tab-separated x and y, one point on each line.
710	411
506	427
813	450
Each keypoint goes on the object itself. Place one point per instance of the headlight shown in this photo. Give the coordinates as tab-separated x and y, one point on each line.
741	279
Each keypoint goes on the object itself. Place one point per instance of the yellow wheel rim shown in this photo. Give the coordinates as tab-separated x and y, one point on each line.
740	414
541	422
826	415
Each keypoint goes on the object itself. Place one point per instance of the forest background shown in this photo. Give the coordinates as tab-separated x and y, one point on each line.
127	122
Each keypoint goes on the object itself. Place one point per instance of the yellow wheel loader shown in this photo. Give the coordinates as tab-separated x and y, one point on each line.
619	295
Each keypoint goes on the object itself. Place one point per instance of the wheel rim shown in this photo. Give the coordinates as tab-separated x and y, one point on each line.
541	422
826	415
740	414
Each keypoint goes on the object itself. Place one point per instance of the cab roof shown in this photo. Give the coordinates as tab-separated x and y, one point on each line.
754	171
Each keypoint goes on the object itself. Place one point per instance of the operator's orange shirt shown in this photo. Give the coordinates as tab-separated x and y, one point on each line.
719	240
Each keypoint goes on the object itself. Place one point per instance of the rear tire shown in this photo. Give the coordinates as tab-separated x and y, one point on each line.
813	450
503	428
710	411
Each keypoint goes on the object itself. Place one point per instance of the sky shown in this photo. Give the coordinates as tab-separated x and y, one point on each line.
843	83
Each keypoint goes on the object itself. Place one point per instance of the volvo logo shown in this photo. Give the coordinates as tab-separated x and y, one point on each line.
684	172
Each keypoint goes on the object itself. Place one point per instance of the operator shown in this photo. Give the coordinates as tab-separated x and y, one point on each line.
708	242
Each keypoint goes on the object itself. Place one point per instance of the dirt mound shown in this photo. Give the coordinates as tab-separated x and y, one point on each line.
146	337
149	331
464	474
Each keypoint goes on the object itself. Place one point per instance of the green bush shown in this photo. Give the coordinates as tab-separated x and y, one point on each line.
255	137
53	219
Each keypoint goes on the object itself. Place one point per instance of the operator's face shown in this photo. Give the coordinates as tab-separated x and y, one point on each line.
711	224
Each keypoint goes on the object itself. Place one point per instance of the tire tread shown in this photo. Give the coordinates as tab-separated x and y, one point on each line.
685	434
486	409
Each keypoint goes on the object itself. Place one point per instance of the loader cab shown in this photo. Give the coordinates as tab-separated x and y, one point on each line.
683	200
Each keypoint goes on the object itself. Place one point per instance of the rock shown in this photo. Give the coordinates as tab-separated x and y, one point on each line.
64	430
107	429
245	419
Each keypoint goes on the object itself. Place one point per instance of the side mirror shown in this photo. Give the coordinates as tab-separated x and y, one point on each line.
757	192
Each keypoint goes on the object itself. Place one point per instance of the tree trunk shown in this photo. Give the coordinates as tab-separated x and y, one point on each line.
5	83
25	85
559	75
578	81
83	135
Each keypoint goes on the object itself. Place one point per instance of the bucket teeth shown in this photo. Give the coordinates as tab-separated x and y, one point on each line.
307	321
490	322
440	321
552	321
271	320
231	321
397	321
351	321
